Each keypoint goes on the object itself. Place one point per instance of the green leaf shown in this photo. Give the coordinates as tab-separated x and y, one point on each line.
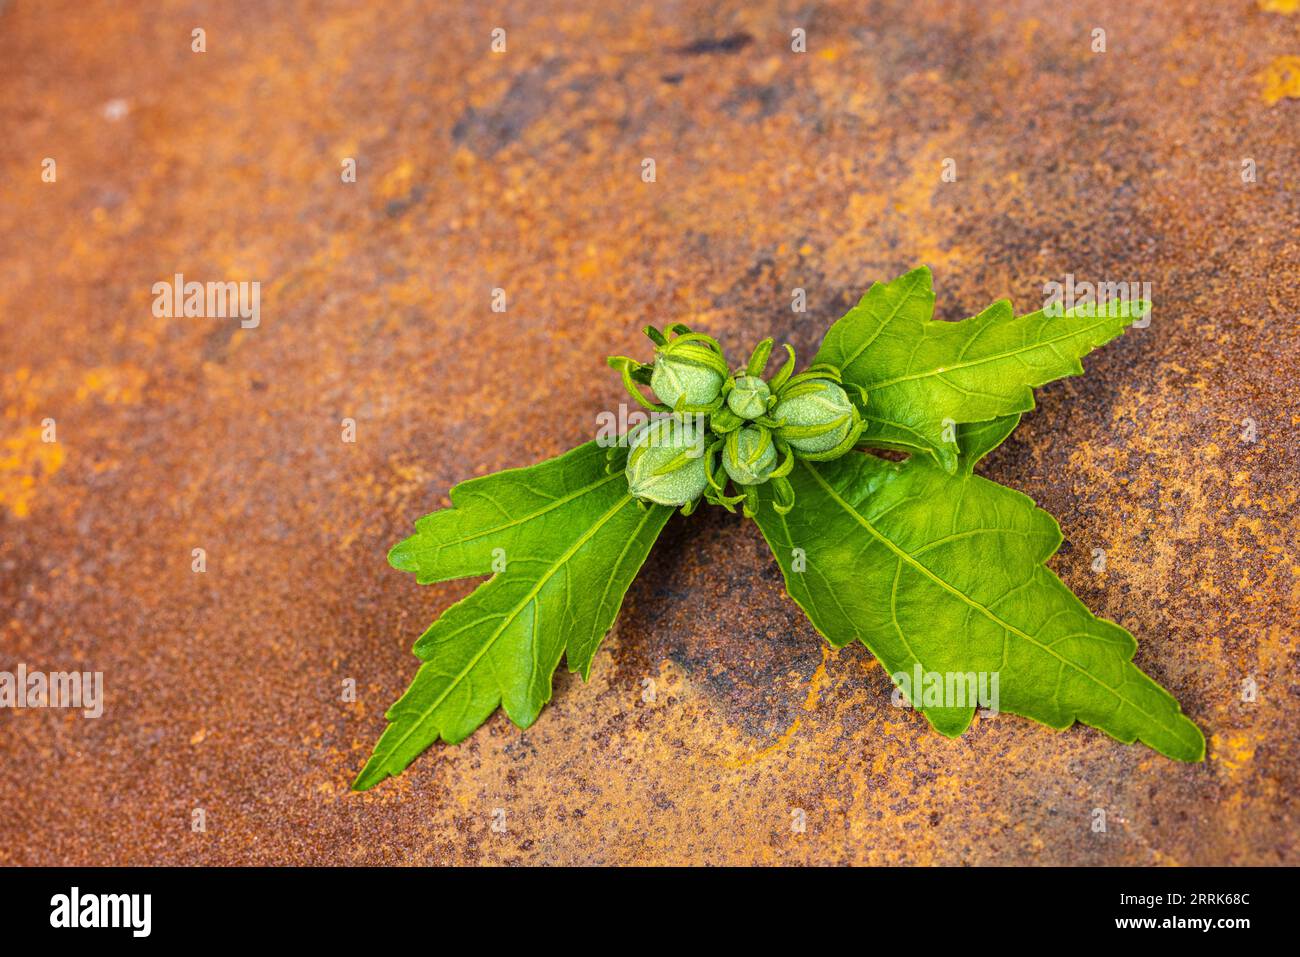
978	439
925	377
947	572
571	540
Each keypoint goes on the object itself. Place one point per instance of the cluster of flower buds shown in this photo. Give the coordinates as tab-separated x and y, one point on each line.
717	427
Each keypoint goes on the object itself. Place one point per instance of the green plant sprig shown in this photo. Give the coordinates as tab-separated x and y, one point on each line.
751	430
936	570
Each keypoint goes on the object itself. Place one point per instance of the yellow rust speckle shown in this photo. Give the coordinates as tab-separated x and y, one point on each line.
1281	79
26	460
1233	750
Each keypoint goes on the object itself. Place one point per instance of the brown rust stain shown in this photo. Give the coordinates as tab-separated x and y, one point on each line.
1175	455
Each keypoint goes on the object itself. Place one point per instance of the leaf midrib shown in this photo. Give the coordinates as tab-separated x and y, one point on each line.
940	370
531	515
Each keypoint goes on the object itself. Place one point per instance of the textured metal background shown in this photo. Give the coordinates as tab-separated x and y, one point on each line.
522	170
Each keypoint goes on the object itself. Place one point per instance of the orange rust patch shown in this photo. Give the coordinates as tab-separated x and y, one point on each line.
776	171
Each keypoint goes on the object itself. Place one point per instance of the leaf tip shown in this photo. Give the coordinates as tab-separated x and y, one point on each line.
370	775
401	556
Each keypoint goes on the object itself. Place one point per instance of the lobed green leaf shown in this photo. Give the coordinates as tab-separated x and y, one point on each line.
570	540
926	378
946	571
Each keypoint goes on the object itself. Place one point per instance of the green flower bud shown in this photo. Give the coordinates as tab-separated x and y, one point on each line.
749	455
816	417
679	377
689	369
748	397
666	462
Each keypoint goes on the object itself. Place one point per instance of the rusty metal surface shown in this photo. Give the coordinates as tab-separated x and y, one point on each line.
522	170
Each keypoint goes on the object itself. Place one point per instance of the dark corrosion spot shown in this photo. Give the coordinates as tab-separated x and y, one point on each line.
729	44
490	129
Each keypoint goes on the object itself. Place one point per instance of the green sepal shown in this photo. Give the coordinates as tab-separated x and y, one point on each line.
724	420
783	375
634	372
758	358
848	442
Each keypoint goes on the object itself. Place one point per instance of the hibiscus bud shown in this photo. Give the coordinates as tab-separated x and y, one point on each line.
748	397
689	370
817	418
749	455
666	463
